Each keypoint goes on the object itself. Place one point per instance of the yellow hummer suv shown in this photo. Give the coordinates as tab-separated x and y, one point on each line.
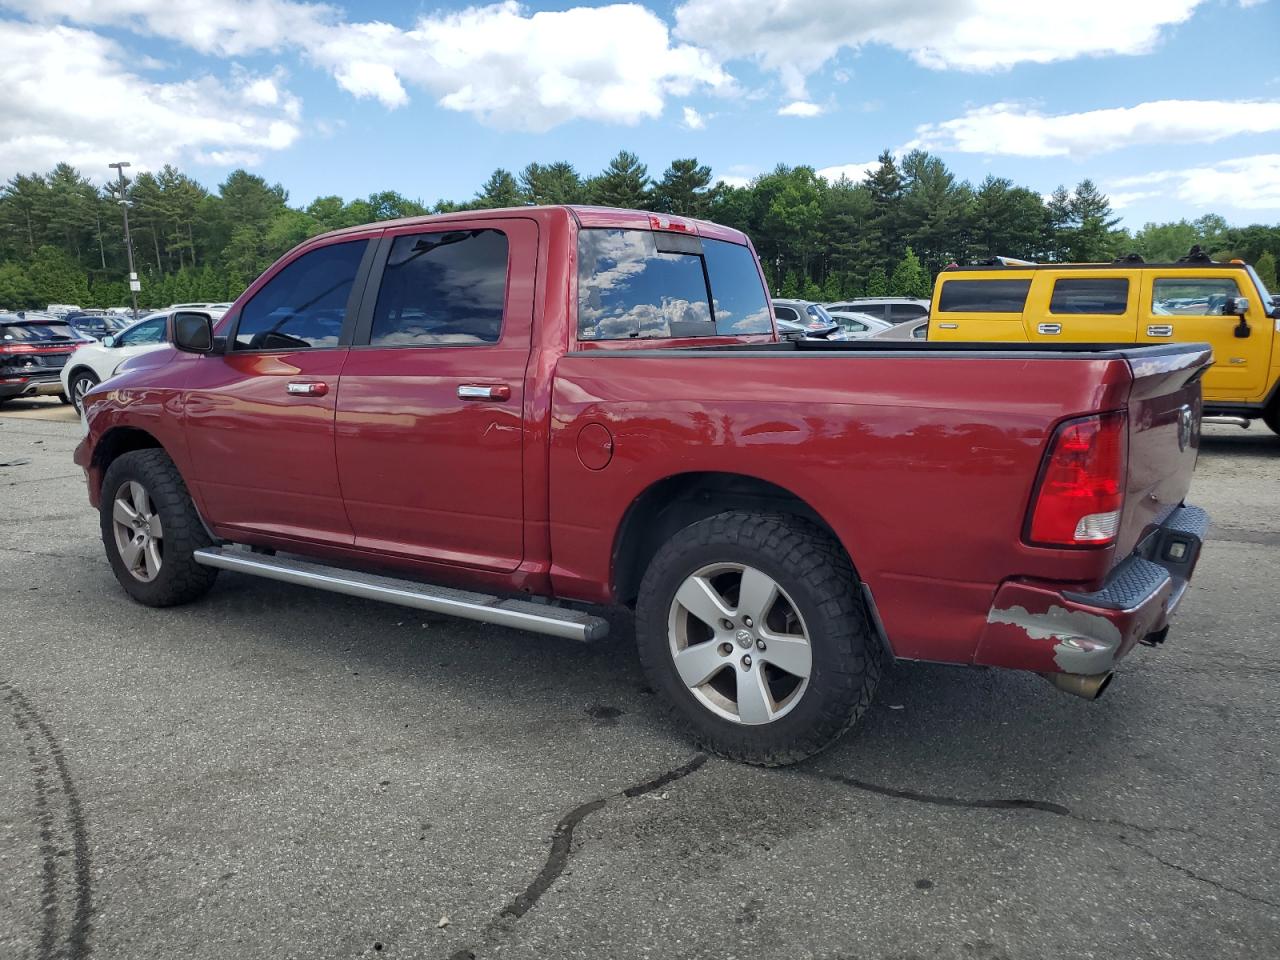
1129	301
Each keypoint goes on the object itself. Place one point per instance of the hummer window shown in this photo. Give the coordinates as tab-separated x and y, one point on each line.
1090	295
983	296
1192	297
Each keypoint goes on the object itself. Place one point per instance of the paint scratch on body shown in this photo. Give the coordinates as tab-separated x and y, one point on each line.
1082	642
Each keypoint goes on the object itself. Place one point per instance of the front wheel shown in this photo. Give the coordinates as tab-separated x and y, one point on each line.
151	530
1271	417
82	381
753	627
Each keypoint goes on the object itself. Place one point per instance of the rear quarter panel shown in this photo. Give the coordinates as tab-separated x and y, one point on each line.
923	466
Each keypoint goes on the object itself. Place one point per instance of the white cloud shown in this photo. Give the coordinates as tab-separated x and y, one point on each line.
1246	183
735	181
69	96
1127	198
693	119
509	67
797	37
800	108
1018	130
856	172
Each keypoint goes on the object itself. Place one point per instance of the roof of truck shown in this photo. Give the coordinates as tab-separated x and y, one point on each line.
586	216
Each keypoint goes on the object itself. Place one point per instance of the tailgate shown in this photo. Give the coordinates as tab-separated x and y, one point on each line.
1164	437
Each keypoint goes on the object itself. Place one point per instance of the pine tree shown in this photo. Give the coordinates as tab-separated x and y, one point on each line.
909	278
877	283
16	291
685	189
624	183
500	190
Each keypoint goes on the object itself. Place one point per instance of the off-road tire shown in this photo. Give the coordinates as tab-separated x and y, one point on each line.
816	574
1271	416
180	579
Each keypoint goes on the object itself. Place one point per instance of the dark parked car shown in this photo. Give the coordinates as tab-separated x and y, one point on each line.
33	350
94	325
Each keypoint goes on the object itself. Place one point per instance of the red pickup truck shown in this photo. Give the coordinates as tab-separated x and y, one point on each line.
513	415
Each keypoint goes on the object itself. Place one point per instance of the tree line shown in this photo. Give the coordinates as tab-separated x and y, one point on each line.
61	237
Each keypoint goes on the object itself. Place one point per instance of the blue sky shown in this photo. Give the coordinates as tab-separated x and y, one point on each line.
1172	106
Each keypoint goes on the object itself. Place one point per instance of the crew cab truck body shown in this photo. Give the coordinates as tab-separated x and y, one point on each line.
590	406
1194	300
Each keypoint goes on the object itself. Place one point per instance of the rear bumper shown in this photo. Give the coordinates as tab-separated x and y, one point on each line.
40	384
1040	626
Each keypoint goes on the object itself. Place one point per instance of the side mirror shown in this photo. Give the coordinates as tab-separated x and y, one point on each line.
193	332
108	341
1236	306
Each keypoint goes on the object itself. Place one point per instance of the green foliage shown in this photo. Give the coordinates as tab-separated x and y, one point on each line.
62	239
624	183
877	283
1266	269
909	278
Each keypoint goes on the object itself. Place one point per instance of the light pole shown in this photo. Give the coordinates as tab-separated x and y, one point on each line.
134	285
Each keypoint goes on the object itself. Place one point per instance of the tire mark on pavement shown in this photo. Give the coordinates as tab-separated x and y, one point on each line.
562	849
43	752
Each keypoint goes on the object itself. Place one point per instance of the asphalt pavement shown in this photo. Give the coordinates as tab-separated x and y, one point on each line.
275	772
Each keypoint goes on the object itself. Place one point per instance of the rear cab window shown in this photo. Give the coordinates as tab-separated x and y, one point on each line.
645	284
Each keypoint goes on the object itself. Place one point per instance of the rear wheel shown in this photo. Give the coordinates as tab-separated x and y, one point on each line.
753	627
63	398
82	381
151	530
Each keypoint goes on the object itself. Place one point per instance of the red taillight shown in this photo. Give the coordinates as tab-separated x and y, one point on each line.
663	222
1081	490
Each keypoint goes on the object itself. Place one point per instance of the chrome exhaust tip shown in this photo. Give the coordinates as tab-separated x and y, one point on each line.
1086	686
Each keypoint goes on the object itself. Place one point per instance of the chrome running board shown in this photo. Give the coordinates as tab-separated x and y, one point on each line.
518	614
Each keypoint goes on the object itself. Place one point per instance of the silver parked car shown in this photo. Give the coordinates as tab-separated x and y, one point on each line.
857	326
891	309
911	330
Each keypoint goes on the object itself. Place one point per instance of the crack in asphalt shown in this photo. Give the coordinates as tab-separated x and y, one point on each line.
562	849
38	737
1186	871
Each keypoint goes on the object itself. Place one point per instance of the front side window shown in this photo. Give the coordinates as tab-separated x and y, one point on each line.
628	289
442	289
1193	297
304	305
983	296
145	333
1091	295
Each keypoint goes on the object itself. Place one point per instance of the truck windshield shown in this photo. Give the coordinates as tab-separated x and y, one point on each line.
1268	302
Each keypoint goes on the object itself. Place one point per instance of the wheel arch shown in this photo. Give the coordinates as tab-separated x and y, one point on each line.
674	502
116	442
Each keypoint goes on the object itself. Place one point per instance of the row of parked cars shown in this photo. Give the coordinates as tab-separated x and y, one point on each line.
889	318
66	352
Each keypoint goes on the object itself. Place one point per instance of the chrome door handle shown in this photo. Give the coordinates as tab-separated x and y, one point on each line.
1160	330
484	391
306	388
1049	329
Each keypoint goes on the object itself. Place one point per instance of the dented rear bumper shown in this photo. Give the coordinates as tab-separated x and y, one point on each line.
1034	625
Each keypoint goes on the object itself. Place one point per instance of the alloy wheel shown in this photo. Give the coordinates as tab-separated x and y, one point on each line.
739	643
138	531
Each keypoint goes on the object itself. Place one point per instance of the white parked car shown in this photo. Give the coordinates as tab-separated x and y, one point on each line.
93	363
855	325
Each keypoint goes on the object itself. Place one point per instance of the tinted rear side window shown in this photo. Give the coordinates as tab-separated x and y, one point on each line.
901	312
304	304
739	298
442	288
627	289
983	296
1106	295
